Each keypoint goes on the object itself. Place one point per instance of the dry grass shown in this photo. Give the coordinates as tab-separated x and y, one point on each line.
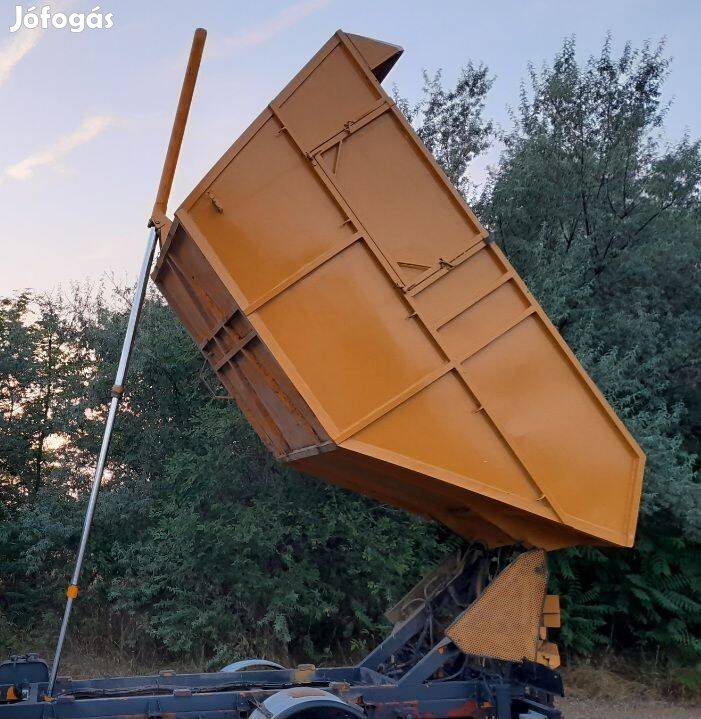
601	682
86	659
623	690
621	678
82	664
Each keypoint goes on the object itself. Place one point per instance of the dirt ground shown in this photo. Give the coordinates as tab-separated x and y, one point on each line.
575	708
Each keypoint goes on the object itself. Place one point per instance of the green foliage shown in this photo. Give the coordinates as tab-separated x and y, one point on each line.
646	598
243	557
203	546
451	122
43	370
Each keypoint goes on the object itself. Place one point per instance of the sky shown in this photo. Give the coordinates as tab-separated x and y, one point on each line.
85	116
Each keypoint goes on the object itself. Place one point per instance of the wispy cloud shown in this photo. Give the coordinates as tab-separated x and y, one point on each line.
268	29
12	51
88	130
23	41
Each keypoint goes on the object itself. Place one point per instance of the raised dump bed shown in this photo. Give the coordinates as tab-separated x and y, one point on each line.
352	305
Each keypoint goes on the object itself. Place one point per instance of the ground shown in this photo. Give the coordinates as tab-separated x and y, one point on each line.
576	708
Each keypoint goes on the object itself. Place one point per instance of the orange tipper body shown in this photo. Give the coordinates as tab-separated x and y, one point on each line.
350	302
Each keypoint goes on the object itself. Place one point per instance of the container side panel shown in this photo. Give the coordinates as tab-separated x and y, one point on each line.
380	56
242	362
175	289
336	92
462	285
274	406
347	331
193	289
235	379
275	216
217	347
564	434
468	514
216	301
474	327
443	427
413	493
392	187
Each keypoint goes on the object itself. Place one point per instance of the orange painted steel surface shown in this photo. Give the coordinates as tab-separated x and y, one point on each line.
350	302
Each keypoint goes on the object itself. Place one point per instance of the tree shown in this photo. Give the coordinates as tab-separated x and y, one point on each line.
603	220
43	370
450	122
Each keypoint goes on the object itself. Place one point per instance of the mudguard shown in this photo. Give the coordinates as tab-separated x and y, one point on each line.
314	703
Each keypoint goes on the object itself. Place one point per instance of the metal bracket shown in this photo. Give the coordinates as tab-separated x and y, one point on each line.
444	652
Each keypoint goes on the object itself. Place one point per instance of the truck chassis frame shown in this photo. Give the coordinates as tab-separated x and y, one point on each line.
415	673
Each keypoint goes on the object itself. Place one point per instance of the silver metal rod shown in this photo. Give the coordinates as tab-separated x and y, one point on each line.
117	390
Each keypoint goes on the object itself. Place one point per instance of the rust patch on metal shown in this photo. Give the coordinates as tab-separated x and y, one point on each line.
469	709
299	692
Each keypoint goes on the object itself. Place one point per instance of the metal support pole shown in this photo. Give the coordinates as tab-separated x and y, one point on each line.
117	391
158	214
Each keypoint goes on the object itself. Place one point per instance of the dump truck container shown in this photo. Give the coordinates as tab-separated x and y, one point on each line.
354	307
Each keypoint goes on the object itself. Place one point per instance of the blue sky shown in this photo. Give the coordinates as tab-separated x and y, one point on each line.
85	116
